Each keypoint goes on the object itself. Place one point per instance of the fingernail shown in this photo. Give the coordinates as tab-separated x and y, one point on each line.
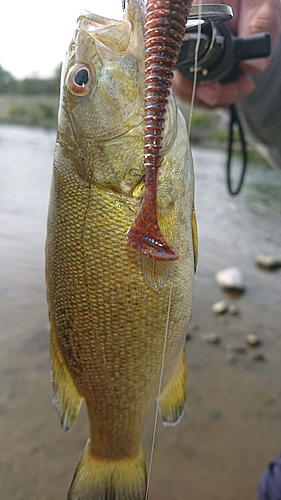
207	95
257	65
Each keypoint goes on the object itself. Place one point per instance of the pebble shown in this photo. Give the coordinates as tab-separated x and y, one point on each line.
268	261
253	340
211	338
231	279
257	356
233	310
220	307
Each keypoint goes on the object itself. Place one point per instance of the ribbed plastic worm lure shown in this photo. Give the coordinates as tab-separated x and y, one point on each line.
164	29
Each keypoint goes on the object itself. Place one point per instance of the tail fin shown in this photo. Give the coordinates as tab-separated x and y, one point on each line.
101	479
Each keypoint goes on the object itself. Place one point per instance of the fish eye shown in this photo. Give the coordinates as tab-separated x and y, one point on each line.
79	80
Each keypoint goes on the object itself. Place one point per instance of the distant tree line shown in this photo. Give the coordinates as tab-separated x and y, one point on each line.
29	86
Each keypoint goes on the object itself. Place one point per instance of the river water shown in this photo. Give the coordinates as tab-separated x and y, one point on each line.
233	420
231	230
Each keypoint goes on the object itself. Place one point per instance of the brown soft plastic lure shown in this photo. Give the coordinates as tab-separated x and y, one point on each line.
164	28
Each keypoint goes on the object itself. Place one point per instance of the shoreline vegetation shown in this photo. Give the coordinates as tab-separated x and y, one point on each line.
29	110
31	101
34	102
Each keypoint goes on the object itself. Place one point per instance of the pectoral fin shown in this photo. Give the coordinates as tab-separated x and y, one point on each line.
173	396
156	272
66	397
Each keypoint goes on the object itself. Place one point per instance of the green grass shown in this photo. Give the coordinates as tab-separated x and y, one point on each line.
33	113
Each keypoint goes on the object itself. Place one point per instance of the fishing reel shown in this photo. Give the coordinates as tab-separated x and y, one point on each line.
219	52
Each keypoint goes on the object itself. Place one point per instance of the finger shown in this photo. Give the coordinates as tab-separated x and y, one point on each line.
233	91
255	66
208	93
260	17
183	87
212	95
184	92
256	17
224	94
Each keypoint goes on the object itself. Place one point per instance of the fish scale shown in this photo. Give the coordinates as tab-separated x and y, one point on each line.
82	268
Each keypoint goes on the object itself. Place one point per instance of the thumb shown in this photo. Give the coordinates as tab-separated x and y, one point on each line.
259	17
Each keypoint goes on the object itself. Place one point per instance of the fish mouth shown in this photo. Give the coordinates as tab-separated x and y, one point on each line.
113	34
96	18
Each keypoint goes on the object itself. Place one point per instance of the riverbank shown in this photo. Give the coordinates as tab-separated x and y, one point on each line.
29	110
229	432
232	422
209	128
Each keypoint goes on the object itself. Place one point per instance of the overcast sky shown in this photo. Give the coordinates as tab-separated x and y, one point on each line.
34	35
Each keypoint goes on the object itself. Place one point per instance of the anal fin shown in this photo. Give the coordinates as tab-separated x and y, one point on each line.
66	396
172	398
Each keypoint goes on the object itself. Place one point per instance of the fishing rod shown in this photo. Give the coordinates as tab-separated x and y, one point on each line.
219	55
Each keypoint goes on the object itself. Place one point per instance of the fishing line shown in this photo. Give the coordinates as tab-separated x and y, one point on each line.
197	46
160	385
173	271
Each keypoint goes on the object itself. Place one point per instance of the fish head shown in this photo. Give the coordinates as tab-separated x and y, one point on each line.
102	97
102	85
101	117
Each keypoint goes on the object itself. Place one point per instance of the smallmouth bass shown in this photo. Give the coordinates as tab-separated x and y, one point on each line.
107	303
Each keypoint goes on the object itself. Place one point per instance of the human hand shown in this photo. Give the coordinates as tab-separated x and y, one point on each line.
249	17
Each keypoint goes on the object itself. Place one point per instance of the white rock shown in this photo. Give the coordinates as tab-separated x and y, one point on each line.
253	340
268	261
220	307
231	278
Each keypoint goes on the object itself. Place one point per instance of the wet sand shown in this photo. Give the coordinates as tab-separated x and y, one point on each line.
232	424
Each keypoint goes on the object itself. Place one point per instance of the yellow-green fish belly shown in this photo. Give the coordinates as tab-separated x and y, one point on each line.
109	324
